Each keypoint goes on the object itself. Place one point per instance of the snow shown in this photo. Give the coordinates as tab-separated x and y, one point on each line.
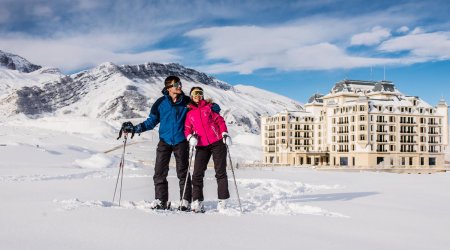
13	79
95	161
57	185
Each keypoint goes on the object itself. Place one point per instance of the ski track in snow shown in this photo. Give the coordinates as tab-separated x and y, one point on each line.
261	197
76	176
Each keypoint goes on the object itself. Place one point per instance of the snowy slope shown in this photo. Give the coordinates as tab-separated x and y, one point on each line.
12	80
56	189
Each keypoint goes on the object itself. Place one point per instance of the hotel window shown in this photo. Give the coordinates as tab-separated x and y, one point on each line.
362	118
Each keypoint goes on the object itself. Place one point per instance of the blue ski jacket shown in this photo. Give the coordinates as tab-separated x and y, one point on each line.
171	117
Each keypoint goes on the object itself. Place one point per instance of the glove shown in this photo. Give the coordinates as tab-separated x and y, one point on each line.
226	138
127	127
192	140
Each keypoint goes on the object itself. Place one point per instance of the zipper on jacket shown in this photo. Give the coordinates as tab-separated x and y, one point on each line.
215	132
201	121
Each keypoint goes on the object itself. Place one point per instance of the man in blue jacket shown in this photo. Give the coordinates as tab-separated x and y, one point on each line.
170	112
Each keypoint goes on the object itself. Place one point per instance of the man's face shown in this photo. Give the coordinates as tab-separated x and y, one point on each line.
174	88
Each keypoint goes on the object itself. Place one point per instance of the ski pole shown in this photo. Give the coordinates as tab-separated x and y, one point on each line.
191	154
234	178
121	166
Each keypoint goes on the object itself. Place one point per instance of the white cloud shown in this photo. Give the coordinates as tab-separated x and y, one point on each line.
428	46
82	51
417	30
297	46
375	36
403	29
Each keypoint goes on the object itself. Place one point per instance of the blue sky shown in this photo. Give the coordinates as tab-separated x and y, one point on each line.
294	48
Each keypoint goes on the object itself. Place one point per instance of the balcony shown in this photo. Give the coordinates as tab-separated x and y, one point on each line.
408	142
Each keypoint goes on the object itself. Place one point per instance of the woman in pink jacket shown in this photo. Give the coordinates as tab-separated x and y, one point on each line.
208	132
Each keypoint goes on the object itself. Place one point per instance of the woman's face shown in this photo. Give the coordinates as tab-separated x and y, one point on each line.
197	95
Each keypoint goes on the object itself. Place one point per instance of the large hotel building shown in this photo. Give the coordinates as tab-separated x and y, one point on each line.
362	124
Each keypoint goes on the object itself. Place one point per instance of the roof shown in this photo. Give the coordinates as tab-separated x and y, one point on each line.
316	98
363	86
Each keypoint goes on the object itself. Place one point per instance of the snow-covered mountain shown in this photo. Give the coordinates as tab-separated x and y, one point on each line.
114	92
15	62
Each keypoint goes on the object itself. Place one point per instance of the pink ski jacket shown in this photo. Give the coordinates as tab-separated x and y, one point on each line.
205	123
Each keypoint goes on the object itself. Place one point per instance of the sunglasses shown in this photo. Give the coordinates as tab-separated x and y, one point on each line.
175	84
197	93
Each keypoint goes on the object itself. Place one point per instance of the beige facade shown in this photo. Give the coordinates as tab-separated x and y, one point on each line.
362	124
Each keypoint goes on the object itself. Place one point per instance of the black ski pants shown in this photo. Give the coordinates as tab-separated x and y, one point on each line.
163	154
218	150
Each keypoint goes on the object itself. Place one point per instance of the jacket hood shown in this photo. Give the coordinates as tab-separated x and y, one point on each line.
200	104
